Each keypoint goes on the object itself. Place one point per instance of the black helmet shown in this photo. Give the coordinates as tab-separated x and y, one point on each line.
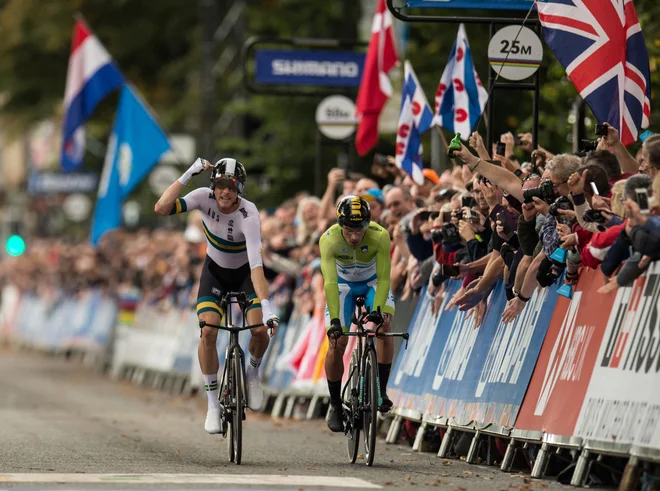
231	169
353	211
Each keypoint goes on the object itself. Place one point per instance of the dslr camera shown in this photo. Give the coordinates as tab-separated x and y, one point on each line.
561	203
447	234
594	216
545	192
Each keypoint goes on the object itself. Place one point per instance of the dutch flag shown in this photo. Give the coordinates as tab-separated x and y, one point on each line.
415	118
92	75
460	98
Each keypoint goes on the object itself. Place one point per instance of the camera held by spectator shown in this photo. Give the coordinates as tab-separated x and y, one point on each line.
545	191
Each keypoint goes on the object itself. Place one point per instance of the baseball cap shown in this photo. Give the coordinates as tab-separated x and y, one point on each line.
432	175
374	194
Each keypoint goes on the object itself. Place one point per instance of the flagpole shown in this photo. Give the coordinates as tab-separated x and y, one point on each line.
445	144
78	16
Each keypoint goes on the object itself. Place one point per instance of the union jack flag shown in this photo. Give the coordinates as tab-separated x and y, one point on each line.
601	46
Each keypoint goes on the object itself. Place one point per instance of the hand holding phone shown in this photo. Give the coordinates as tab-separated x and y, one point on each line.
642	198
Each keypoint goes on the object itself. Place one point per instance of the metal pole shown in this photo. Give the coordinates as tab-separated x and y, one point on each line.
536	102
490	105
318	163
207	113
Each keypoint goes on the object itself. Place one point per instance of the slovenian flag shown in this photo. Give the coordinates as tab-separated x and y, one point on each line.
460	98
92	75
415	118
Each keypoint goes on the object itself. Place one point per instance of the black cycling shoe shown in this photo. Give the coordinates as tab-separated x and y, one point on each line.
386	405
335	419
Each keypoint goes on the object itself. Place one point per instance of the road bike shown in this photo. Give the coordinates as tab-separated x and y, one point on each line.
233	388
361	395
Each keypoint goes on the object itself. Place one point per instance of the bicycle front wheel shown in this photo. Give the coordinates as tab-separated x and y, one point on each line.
230	407
370	405
353	434
237	415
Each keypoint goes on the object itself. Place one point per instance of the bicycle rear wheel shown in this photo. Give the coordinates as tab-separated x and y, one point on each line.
230	408
237	415
370	405
353	434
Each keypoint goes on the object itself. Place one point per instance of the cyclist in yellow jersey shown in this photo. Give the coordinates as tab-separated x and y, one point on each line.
355	261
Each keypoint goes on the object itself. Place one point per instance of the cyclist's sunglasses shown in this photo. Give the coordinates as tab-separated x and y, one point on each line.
223	182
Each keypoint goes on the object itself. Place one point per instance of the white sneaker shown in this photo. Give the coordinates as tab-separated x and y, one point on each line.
255	393
212	424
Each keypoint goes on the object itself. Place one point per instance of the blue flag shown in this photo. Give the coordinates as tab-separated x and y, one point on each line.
135	146
415	118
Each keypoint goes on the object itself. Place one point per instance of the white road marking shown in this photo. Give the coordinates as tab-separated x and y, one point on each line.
222	479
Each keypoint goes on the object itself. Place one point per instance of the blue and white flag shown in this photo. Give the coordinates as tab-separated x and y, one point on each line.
135	146
460	98
415	118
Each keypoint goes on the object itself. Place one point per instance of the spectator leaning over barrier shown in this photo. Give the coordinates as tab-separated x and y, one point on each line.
233	263
553	190
643	229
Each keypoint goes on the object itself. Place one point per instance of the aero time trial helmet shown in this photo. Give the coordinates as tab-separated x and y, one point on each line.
354	212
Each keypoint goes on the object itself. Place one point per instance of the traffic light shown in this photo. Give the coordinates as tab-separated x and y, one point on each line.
15	244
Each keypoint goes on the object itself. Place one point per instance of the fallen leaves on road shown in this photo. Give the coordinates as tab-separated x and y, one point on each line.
467	472
444	474
360	457
388	483
446	462
407	478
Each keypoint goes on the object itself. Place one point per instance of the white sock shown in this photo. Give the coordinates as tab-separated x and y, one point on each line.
253	367
211	386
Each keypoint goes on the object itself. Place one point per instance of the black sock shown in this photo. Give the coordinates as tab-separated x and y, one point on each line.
384	376
335	392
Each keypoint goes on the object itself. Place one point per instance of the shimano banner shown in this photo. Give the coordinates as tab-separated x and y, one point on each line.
472	4
291	67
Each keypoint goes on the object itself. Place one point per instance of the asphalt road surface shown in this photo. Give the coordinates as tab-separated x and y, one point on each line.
64	426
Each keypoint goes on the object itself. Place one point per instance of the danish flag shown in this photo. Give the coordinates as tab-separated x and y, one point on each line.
601	46
375	86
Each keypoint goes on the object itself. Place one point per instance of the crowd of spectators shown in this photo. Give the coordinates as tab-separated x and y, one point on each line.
527	216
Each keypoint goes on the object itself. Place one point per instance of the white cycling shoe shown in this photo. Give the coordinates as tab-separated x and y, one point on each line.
212	424
255	393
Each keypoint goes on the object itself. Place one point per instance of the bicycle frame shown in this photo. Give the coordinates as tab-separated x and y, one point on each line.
226	302
369	345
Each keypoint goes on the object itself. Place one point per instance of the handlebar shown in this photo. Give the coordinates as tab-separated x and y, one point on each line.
229	328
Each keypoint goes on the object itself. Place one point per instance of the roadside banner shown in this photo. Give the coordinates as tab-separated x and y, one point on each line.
478	375
564	367
622	403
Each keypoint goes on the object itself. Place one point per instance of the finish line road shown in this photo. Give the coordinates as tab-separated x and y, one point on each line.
64	426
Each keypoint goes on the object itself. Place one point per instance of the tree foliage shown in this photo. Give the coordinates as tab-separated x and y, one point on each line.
158	47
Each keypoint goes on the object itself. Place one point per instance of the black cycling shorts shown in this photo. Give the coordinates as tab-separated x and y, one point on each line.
216	281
